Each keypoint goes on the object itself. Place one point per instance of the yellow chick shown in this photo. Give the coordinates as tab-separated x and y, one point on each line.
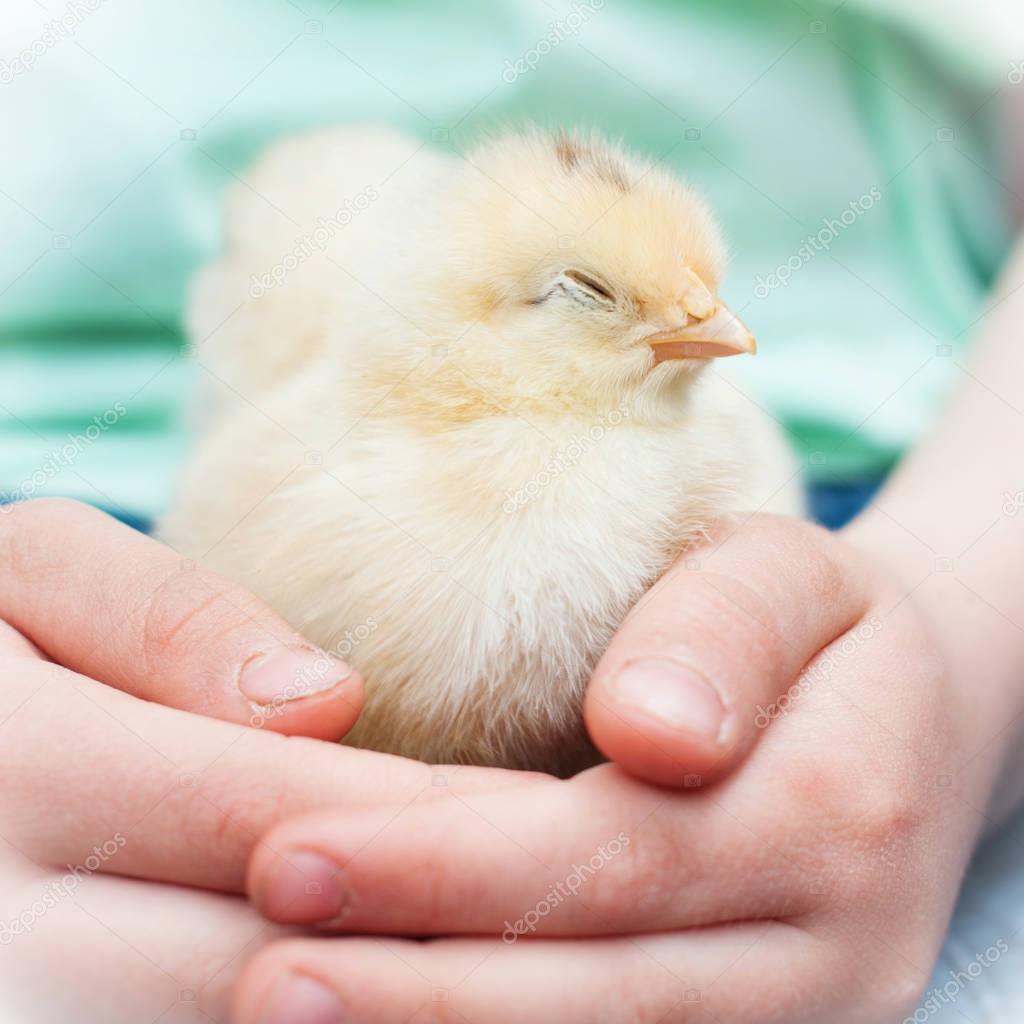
456	421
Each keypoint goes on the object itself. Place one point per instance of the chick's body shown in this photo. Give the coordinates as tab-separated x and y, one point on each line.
455	460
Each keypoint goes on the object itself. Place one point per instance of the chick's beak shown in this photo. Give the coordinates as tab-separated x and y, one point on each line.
712	330
719	333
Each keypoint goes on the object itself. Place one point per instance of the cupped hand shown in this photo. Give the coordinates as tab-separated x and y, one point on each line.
99	628
814	883
105	601
690	681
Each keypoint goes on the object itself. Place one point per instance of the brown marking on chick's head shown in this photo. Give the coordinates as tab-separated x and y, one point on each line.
590	158
630	225
567	150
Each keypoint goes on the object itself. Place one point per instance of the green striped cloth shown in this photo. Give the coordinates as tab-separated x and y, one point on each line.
851	150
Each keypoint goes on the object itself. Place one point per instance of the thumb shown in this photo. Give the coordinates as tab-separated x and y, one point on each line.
689	681
103	600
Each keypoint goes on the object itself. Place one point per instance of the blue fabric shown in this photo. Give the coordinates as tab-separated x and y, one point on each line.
140	523
834	505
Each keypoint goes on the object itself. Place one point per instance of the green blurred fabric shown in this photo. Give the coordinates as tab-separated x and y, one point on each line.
120	138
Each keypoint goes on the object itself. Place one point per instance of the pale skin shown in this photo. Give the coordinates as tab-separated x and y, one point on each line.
177	797
823	863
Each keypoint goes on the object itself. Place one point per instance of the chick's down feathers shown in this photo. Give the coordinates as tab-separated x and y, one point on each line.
458	413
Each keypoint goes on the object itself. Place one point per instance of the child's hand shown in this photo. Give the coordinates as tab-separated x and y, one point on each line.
827	864
103	600
98	783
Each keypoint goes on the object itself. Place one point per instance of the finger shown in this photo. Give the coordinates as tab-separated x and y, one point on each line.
127	950
635	861
728	974
114	605
13	644
685	686
95	777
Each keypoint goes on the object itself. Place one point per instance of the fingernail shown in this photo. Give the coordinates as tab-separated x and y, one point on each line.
304	888
290	673
672	693
299	999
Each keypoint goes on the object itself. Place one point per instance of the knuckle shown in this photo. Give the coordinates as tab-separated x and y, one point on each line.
813	556
806	552
884	817
218	801
187	608
826	576
752	614
872	813
845	798
643	870
438	890
865	823
879	812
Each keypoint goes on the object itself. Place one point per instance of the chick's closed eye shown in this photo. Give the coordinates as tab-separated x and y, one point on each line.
590	286
577	287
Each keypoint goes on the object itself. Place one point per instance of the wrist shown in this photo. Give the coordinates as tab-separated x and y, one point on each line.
980	648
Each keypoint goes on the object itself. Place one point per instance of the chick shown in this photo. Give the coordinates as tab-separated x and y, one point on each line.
457	439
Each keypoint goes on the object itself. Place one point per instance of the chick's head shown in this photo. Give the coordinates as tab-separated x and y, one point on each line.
583	272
